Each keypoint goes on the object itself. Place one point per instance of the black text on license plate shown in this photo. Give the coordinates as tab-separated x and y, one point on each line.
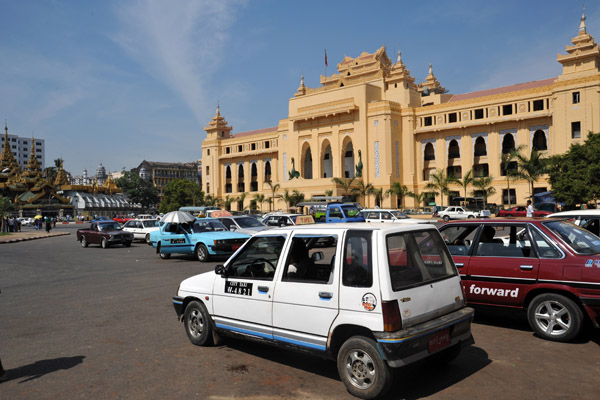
175	241
439	340
241	288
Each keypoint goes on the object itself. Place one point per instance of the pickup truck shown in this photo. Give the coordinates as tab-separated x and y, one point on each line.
343	212
104	233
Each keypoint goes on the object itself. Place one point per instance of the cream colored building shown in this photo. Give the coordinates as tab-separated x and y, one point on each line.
373	113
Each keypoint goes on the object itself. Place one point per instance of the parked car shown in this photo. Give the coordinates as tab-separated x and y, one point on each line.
141	228
378	297
243	224
519	211
104	233
122	219
389	216
282	219
205	238
548	267
587	219
456	212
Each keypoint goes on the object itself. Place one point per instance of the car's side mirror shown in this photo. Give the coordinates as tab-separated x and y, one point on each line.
317	256
221	270
233	228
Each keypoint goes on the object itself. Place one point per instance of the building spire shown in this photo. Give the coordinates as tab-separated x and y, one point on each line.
582	29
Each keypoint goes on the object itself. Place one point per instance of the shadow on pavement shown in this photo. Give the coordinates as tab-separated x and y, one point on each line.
41	368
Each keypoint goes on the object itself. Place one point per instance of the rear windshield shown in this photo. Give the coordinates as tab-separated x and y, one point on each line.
578	239
417	257
248	222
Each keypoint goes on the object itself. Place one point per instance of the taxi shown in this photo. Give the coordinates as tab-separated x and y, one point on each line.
372	297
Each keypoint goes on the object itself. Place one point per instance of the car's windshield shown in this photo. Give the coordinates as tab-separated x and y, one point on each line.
417	257
399	214
258	258
578	239
351	211
248	222
109	227
208	225
150	223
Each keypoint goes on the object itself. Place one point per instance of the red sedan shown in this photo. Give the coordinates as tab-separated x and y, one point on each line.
519	211
548	267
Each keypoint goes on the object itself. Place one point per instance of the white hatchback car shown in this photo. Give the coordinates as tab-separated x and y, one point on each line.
372	297
389	216
141	228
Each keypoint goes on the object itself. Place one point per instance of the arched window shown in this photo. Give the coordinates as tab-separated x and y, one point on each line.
508	143
480	148
228	187
348	153
429	152
253	171
253	178
327	161
307	163
539	140
453	149
241	171
268	171
241	186
228	172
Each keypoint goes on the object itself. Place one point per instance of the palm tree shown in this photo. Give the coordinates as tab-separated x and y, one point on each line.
398	190
511	174
345	183
363	189
484	184
380	195
260	199
419	198
439	182
288	198
297	197
228	200
531	169
465	182
329	193
274	188
240	200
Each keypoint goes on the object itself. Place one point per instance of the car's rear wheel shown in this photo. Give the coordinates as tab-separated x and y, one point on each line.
446	218
84	242
198	326
127	244
364	373
202	253
555	317
104	243
508	215
470	217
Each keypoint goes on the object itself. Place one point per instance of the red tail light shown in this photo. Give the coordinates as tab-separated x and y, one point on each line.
391	316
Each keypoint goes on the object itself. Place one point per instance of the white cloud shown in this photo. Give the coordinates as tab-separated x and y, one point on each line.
178	43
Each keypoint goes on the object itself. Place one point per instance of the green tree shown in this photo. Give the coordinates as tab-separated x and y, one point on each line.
227	202
345	183
287	198
329	193
511	173
51	172
138	190
297	197
260	199
274	188
180	193
240	200
439	183
575	175
531	168
484	185
398	190
466	180
419	198
209	200
6	206
379	195
362	189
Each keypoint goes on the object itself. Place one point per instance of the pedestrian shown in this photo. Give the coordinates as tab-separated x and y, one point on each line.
48	224
529	209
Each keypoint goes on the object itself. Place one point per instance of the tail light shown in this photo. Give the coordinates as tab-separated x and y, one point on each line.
392	320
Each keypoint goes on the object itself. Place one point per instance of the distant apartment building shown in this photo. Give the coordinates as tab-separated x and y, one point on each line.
21	149
161	173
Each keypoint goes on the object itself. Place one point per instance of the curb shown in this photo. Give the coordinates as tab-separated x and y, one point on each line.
22	239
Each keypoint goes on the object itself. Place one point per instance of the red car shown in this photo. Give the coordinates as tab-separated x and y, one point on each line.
548	267
122	219
519	211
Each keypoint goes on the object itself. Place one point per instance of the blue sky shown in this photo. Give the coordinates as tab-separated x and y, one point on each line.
119	81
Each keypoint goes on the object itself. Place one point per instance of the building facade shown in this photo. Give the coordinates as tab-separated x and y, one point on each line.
162	173
21	149
371	121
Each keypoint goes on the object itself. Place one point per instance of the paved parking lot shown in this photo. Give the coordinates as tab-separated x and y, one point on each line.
98	323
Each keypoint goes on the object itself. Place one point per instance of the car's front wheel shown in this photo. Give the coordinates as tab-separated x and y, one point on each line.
147	238
202	253
446	218
104	243
197	323
555	317
84	242
364	373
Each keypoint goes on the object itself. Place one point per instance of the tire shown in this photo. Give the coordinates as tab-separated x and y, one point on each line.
508	215
362	369
198	325
127	244
147	238
164	256
446	218
104	243
470	217
202	253
555	317
84	242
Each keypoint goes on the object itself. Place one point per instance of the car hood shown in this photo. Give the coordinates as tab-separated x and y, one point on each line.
197	284
116	232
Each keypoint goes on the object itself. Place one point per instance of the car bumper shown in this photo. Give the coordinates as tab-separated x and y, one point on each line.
178	305
417	342
120	240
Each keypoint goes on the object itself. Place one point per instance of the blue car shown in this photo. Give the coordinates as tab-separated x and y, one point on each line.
204	238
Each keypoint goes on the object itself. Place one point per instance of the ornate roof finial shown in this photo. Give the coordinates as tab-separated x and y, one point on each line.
582	24
430	69
218	109
301	80
399	60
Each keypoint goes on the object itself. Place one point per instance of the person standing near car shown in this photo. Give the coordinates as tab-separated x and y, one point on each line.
529	209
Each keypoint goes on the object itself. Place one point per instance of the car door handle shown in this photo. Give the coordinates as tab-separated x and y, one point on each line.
263	289
459	265
526	267
325	295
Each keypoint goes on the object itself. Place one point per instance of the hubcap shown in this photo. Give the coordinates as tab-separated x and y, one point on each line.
553	318
360	369
201	253
195	323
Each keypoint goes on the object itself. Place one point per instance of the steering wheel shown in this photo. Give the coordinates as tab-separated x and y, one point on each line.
458	242
255	267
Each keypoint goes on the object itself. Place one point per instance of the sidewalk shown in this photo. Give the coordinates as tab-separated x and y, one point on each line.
22	236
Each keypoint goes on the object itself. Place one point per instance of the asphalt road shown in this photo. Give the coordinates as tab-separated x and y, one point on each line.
99	324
